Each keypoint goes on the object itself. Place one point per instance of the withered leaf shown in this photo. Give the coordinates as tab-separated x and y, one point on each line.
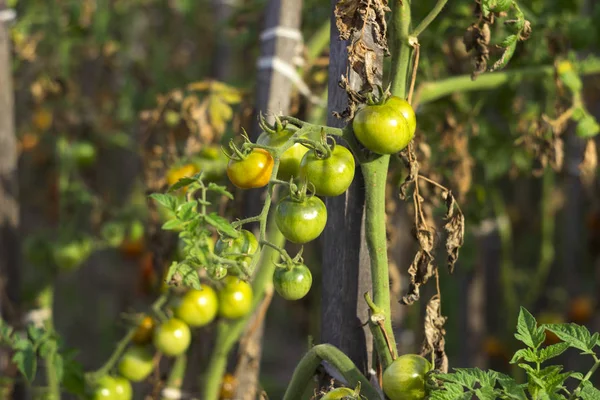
454	227
435	341
420	271
410	161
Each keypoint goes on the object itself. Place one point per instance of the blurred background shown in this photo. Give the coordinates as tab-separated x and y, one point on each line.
116	99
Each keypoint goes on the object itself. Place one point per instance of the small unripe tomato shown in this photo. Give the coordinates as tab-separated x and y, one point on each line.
383	129
136	363
301	221
399	104
70	255
340	394
289	162
172	337
144	331
123	390
198	307
231	248
254	171
404	379
235	298
330	176
293	283
84	153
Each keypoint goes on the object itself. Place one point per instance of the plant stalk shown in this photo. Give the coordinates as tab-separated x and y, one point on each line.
401	48
429	18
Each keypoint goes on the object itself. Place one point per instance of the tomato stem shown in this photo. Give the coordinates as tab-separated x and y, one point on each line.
177	374
429	18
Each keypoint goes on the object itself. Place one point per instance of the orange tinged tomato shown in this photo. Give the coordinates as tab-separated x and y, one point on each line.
42	119
144	331
252	172
581	309
493	347
175	174
228	387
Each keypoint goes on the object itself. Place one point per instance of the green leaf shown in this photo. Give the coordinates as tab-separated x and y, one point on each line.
589	392
165	200
552	351
185	274
528	355
74	378
173	225
220	189
510	45
512	390
183	182
587	127
528	331
221	224
6	333
450	391
35	333
576	336
25	359
185	212
486	393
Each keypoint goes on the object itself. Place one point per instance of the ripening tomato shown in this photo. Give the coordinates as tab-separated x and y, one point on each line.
183	171
331	176
144	331
581	309
404	379
228	387
136	363
235	298
42	119
245	243
172	337
289	162
406	110
301	221
198	307
112	388
252	172
381	129
293	283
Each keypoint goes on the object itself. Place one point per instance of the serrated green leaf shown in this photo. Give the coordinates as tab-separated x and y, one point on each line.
165	200
173	225
528	355
486	393
34	333
26	361
181	183
58	365
221	224
185	212
552	351
219	189
450	391
528	331
188	275
507	54
512	390
589	392
576	336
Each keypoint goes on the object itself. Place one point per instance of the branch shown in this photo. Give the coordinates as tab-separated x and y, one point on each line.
325	352
429	18
400	47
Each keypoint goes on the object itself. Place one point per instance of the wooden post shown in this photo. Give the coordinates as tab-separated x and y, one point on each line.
9	204
346	270
280	41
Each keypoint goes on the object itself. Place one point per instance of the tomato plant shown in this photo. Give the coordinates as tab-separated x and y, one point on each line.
136	363
113	388
331	175
239	249
235	298
198	307
404	379
289	162
251	171
292	282
172	337
301	220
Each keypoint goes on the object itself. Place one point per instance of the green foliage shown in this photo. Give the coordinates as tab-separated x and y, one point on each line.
543	382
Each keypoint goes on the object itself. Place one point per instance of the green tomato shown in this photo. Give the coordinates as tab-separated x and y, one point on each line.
381	129
289	162
70	255
84	153
136	363
340	394
245	243
404	379
123	388
294	283
105	389
172	337
399	104
331	176
198	307
235	298
301	221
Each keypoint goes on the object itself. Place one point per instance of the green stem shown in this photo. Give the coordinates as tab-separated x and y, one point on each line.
429	18
307	367
586	378
175	379
401	49
228	332
546	246
384	352
431	91
375	175
45	301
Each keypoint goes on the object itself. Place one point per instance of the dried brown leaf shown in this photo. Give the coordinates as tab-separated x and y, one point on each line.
410	161
420	271
455	229
435	341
